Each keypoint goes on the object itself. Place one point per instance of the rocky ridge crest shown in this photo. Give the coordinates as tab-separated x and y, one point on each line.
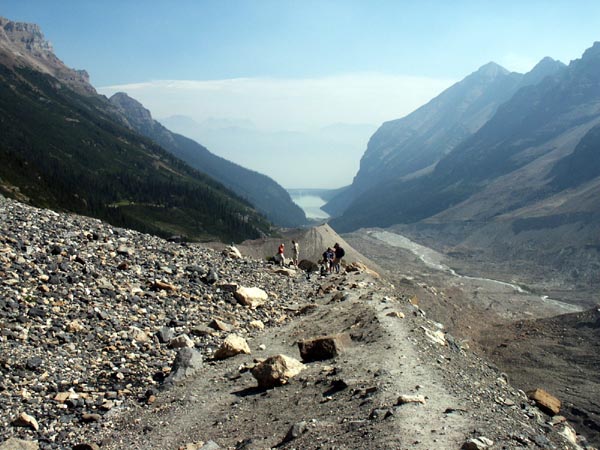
23	45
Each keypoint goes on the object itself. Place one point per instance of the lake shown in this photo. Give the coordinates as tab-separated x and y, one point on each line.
311	205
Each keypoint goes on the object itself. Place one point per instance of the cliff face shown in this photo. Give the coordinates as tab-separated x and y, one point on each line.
24	45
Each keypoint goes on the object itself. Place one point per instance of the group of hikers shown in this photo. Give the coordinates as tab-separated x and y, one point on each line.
295	251
332	257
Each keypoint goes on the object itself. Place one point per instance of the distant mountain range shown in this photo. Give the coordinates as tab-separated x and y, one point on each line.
261	191
65	147
500	163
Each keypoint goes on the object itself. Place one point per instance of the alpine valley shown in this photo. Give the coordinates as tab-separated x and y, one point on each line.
63	146
461	313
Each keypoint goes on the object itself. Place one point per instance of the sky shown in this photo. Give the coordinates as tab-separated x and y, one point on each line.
300	66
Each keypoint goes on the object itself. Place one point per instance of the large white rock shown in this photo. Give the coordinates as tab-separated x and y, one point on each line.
437	336
231	346
276	370
250	296
232	252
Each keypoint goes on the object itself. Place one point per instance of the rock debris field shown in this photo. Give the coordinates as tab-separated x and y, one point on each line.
110	338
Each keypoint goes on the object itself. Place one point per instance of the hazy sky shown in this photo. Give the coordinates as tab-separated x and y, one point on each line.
301	65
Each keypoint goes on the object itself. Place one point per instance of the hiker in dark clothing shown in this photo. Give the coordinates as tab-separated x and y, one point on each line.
339	254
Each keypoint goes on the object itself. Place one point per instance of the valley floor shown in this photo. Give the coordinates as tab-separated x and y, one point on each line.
536	340
92	318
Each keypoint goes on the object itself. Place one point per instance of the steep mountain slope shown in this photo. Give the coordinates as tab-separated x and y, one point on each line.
264	193
64	148
405	147
509	190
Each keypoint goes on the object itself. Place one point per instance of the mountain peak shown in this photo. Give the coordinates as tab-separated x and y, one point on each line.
546	67
492	70
592	52
133	110
24	45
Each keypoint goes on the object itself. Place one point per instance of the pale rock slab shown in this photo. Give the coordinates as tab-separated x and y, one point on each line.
251	296
232	345
276	371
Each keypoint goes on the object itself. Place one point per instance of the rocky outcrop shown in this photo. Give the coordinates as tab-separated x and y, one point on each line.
23	45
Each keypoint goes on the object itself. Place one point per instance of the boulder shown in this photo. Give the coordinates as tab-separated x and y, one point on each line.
324	347
404	399
86	446
435	336
74	326
25	420
257	324
568	433
285	271
295	431
276	371
231	346
211	277
19	444
159	285
210	445
232	252
138	334
181	341
165	334
219	325
545	401
250	296
308	266
479	443
360	267
186	364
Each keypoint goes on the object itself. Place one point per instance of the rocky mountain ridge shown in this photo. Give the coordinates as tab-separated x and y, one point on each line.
63	146
508	191
23	44
411	146
92	318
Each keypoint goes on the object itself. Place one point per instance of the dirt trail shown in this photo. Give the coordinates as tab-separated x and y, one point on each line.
223	405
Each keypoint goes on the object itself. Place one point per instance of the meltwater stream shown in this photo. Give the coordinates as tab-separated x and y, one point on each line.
434	259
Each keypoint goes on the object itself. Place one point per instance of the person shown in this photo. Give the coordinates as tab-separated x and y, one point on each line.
296	252
339	254
280	254
329	255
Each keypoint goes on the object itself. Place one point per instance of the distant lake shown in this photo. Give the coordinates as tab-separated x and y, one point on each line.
311	204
